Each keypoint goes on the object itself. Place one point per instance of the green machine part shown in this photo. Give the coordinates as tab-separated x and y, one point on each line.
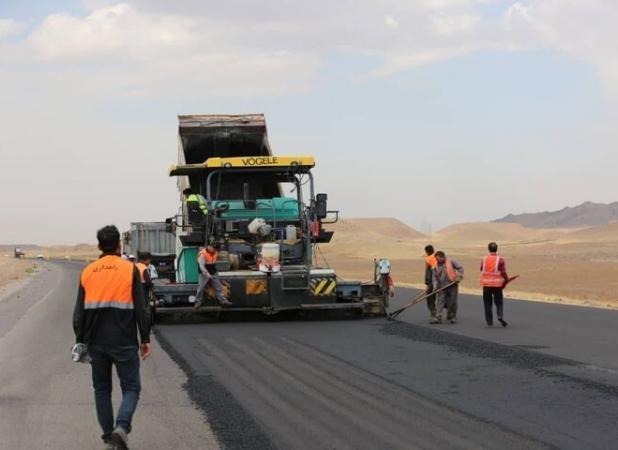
187	265
277	208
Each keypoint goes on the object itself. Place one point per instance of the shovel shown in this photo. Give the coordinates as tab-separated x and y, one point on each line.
422	296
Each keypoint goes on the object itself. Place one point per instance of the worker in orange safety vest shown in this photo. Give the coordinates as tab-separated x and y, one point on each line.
447	271
493	280
143	268
109	311
207	263
430	263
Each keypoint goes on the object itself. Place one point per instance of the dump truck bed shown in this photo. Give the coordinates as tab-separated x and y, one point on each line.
203	136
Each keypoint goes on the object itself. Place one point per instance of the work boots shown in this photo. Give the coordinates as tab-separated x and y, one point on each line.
224	302
120	438
435	320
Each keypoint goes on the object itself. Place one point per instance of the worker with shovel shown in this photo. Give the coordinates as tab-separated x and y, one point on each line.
430	263
446	276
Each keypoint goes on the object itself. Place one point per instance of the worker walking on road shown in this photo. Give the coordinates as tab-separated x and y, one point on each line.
493	280
207	262
447	272
110	308
430	263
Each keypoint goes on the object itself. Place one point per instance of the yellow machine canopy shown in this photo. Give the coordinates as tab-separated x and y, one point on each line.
244	162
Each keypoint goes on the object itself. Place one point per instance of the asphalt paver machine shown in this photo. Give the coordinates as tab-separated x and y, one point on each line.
265	218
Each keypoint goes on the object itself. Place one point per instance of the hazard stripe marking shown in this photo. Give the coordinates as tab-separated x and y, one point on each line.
323	286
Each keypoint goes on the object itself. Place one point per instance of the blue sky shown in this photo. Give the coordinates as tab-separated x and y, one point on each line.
437	113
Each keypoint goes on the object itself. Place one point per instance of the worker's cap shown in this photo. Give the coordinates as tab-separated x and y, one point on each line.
132	257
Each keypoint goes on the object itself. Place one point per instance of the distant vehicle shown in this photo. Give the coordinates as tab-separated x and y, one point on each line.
156	239
40	256
19	253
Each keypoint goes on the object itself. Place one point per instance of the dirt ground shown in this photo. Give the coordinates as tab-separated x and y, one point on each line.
571	266
564	266
86	252
12	269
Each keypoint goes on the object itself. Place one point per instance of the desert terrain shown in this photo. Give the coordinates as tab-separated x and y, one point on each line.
564	265
570	265
12	269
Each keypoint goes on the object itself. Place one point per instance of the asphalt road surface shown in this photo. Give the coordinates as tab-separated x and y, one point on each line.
47	401
549	380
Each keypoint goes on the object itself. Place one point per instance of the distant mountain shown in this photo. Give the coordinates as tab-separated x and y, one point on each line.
584	215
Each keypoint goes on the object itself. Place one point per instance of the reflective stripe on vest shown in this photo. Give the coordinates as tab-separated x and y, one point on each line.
141	267
431	261
108	283
209	258
490	272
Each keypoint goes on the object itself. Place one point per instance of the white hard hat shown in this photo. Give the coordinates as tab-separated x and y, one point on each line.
384	266
132	257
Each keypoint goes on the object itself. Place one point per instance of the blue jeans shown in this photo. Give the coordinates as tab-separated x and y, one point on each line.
126	360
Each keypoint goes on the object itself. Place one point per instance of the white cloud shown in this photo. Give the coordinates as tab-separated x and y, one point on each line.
455	24
275	46
391	22
110	30
586	31
9	27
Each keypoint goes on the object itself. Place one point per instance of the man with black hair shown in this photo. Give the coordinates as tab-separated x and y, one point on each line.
447	272
430	263
493	280
109	310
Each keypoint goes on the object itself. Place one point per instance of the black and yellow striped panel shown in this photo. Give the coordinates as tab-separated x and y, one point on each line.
211	293
256	287
323	286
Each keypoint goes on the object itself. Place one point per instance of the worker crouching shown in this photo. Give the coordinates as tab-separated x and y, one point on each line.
446	276
207	262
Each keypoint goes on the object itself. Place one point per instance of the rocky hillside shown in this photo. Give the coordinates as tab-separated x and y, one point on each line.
585	215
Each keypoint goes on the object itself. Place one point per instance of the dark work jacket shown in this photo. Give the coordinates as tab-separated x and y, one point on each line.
428	275
112	326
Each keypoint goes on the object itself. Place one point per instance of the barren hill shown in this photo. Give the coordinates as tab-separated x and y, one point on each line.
372	237
384	226
602	233
489	231
586	214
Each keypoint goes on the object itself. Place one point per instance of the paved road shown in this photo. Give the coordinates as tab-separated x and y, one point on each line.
405	384
46	401
588	335
323	384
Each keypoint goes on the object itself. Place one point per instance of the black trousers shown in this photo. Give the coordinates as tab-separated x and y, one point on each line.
431	301
492	295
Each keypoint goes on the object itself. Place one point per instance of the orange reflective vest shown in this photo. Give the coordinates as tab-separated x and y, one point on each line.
108	283
490	271
141	267
209	258
451	273
431	261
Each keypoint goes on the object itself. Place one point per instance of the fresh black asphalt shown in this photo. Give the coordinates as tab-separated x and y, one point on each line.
514	386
